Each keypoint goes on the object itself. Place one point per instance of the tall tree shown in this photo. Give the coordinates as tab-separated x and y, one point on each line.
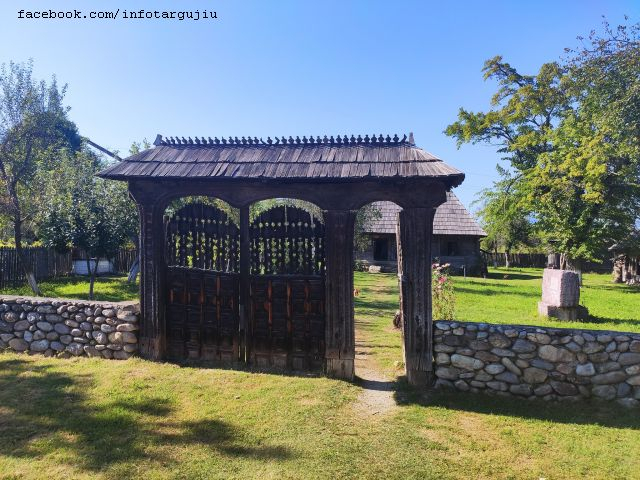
85	212
33	128
503	217
570	135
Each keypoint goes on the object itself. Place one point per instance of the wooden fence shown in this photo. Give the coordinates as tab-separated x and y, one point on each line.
44	262
521	260
123	260
47	263
538	260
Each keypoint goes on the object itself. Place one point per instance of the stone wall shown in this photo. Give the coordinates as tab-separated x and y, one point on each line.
548	363
65	328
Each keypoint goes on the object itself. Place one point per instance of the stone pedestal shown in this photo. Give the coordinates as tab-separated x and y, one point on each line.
563	313
561	295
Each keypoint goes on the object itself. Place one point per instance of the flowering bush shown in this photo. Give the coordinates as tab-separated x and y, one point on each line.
443	297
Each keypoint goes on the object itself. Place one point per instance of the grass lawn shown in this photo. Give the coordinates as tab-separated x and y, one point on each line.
510	296
514	299
112	288
93	418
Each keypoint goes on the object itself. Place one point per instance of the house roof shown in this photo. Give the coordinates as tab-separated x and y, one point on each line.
451	218
343	158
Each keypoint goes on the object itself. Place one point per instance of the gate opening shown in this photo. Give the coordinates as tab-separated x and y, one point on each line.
377	299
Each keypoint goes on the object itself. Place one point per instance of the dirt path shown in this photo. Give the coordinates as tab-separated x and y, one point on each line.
377	397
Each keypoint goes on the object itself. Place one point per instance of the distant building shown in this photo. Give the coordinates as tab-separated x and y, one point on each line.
456	238
626	259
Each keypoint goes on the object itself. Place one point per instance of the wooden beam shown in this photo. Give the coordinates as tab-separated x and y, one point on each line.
245	281
102	149
343	196
340	328
414	231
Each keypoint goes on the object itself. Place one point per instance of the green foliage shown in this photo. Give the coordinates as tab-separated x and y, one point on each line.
503	217
442	293
84	211
364	217
570	135
137	147
34	128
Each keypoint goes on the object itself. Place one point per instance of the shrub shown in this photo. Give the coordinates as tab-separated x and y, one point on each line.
442	294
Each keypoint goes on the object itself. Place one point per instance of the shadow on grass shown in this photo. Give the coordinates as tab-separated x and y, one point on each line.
44	411
606	414
614	321
614	287
508	275
486	289
372	307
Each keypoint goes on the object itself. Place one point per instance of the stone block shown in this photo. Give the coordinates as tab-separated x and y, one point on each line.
560	288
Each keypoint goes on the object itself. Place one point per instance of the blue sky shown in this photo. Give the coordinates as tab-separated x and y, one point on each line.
295	67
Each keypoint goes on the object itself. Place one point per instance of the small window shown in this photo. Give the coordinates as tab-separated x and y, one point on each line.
381	249
452	249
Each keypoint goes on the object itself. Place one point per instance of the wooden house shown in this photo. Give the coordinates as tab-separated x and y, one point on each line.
456	238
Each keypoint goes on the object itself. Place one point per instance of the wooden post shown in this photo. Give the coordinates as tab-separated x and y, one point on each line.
152	328
414	232
245	283
340	334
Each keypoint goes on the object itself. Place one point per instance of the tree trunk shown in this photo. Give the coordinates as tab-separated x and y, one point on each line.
573	264
135	266
92	276
618	269
28	273
133	271
506	259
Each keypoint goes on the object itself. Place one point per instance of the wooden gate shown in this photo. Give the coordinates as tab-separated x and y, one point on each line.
202	257
287	321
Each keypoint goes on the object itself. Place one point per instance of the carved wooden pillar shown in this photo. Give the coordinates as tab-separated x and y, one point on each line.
245	283
414	231
340	334
152	328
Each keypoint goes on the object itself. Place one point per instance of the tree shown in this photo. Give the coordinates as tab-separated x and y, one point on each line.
84	211
364	217
570	135
33	128
504	218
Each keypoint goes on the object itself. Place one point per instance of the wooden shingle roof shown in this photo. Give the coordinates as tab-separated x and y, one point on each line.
451	218
285	159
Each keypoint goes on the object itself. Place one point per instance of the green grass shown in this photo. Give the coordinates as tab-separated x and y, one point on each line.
93	418
110	288
514	300
510	296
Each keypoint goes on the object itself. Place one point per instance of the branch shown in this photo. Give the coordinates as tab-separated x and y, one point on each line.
102	149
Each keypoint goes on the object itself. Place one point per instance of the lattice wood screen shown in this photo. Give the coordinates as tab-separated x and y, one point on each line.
202	236
287	240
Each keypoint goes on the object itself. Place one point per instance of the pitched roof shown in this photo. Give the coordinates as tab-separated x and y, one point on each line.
306	158
451	218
